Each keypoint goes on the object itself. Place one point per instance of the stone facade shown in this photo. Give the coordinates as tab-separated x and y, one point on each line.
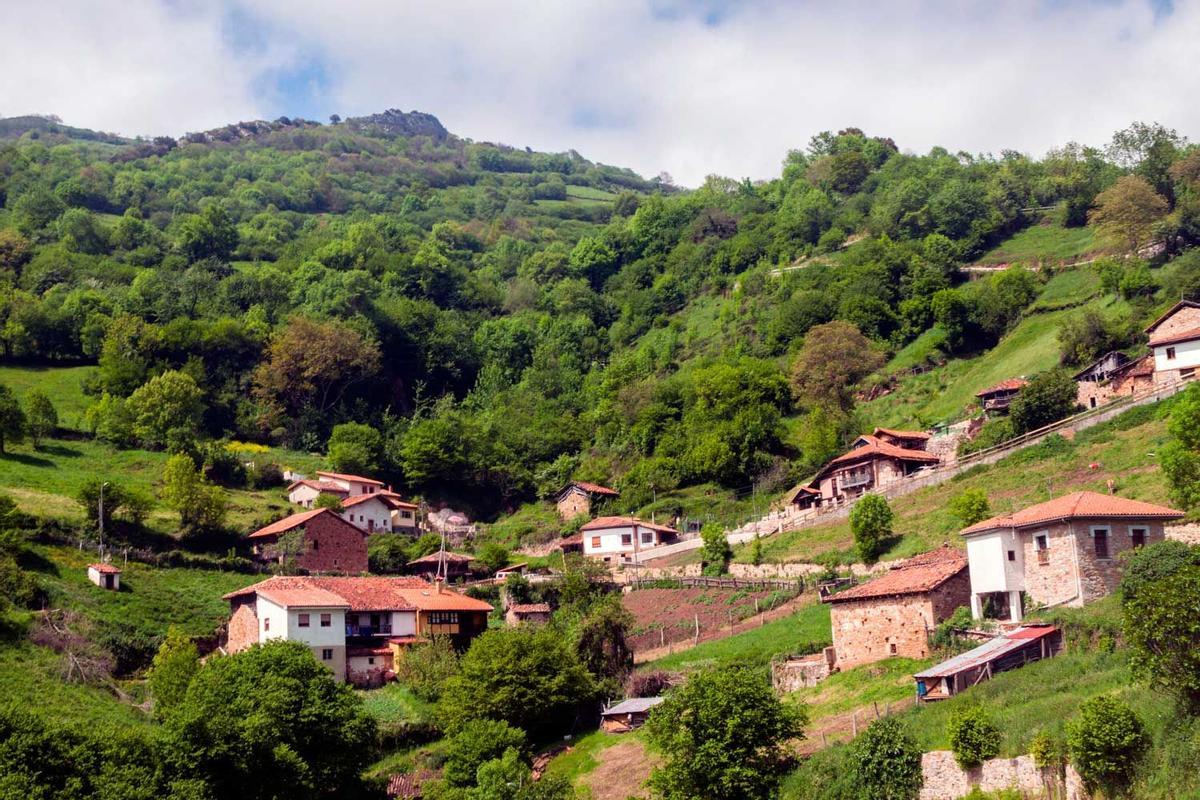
574	502
243	626
798	672
1070	572
1188	533
943	779
876	628
331	544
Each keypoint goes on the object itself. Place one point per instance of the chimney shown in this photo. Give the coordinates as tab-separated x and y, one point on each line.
440	584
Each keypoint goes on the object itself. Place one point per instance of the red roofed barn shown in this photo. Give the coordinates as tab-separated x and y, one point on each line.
330	543
894	614
1061	552
576	498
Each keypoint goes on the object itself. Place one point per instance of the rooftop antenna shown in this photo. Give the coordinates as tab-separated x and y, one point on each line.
441	567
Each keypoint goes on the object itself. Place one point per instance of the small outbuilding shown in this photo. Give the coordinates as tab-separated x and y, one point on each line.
534	613
1010	651
577	497
458	565
106	576
628	715
995	400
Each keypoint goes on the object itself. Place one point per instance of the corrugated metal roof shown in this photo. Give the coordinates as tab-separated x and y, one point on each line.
634	705
987	652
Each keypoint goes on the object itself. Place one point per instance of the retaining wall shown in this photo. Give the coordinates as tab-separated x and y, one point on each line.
945	780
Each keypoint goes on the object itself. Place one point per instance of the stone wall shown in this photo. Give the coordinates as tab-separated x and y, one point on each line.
573	504
945	780
764	571
243	626
333	545
1188	533
799	672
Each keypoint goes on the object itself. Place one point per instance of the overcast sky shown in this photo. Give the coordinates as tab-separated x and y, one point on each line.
684	86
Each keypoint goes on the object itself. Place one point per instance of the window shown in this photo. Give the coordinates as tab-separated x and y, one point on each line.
443	617
1012	555
316	545
326	620
327	654
1100	541
626	539
1187	373
1137	537
266	623
892	648
1041	543
595	541
647	537
371	660
303	620
1170	354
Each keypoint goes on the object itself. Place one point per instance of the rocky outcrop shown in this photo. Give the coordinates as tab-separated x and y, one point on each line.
395	122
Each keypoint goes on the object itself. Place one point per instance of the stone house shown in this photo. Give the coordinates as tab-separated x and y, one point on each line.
106	576
1061	552
995	400
1175	342
894	614
876	461
534	613
577	498
1112	376
357	627
327	543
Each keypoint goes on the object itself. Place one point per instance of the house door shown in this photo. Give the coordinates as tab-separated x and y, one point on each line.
108	581
370	526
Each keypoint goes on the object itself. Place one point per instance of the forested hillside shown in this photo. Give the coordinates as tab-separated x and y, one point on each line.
476	322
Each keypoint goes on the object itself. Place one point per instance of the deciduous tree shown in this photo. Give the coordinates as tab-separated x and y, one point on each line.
834	358
41	418
12	418
1107	743
871	523
1127	211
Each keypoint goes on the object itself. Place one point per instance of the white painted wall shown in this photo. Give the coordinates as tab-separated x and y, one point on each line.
1187	354
610	540
272	620
370	515
303	496
990	569
278	622
404	623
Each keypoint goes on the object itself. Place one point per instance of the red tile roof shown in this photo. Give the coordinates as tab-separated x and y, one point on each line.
593	488
433	558
106	569
918	575
368	651
575	538
1170	312
320	486
407	785
396	498
344	477
362	498
362	594
875	448
1189	335
1091	505
530	608
291	523
901	434
1009	385
602	523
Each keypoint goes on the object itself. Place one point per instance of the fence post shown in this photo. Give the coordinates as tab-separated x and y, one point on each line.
854	722
697	640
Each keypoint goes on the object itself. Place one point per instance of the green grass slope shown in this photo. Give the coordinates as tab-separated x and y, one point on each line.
63	385
1123	450
1048	242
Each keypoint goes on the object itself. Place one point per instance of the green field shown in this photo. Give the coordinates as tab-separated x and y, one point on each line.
45	481
1043	243
806	631
63	385
31	677
1123	450
944	393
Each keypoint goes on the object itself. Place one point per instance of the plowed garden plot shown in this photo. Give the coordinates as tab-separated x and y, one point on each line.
665	616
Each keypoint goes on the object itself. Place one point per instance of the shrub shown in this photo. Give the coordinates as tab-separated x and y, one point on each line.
1107	743
1048	751
426	667
871	522
1155	562
887	761
715	552
970	506
1163	631
478	742
974	738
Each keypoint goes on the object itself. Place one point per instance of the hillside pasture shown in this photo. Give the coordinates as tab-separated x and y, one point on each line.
1044	243
63	385
669	616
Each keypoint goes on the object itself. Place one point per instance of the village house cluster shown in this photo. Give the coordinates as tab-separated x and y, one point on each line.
613	540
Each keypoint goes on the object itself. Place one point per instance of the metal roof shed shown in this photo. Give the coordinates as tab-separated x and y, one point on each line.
1010	651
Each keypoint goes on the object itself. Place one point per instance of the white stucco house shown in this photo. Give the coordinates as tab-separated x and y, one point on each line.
1175	342
623	539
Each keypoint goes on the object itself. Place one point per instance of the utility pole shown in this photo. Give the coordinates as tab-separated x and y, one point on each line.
101	510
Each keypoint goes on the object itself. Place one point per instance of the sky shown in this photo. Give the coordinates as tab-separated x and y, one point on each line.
687	87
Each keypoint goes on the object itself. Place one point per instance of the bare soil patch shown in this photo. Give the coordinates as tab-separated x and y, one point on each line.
621	770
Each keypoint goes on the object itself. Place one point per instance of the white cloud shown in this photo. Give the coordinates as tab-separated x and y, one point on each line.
627	86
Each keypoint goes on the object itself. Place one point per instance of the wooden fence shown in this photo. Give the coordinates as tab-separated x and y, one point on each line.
705	582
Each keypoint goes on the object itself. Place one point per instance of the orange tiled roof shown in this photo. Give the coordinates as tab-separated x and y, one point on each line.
901	434
362	594
320	486
362	498
107	569
876	447
1191	334
917	575
530	608
594	488
290	523
396	498
1074	506
344	477
601	523
1004	386
433	558
407	785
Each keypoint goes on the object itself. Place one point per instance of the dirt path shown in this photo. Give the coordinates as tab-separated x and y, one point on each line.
725	631
620	771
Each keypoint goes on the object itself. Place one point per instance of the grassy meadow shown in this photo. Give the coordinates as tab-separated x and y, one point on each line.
1047	242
